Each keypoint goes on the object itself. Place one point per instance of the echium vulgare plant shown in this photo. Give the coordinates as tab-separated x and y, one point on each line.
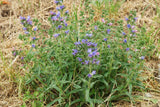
101	65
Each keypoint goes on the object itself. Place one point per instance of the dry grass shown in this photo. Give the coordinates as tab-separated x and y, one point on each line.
10	28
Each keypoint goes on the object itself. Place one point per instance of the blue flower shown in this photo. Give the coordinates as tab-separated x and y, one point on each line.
35	28
90	55
95	27
135	18
57	8
33	46
86	62
125	40
93	72
80	59
56	2
66	24
123	33
59	26
56	35
58	14
89	50
89	35
142	57
105	39
126	19
52	13
97	62
128	25
26	32
89	75
22	18
22	58
77	43
84	40
127	49
108	31
62	7
66	12
67	31
24	28
34	38
108	46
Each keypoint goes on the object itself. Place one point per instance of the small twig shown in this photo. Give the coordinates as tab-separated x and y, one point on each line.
13	61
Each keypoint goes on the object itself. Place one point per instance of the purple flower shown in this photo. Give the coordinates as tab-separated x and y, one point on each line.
133	27
14	54
95	27
22	58
134	31
56	35
103	20
89	43
108	31
30	22
66	12
123	33
24	28
89	50
33	38
58	14
93	72
66	24
26	32
105	39
125	40
54	18
67	31
57	8
56	2
110	24
127	49
59	26
135	18
94	44
89	75
35	28
80	59
89	35
142	57
126	19
84	40
22	18
33	46
75	50
128	25
97	62
90	55
52	13
62	7
108	46
77	43
86	62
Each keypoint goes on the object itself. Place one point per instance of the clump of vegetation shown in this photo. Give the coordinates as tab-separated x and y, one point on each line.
73	67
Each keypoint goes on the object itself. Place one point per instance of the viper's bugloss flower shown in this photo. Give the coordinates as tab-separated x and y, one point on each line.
66	24
67	31
105	39
35	28
59	26
123	33
108	31
62	7
33	45
52	13
142	57
93	72
58	14
77	43
127	49
128	25
89	50
30	22
66	12
54	18
94	44
24	28
75	51
56	35
58	8
95	27
126	19
134	31
86	62
89	35
22	58
34	38
125	40
136	18
97	62
110	24
90	55
56	2
22	18
108	46
89	75
80	59
26	32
